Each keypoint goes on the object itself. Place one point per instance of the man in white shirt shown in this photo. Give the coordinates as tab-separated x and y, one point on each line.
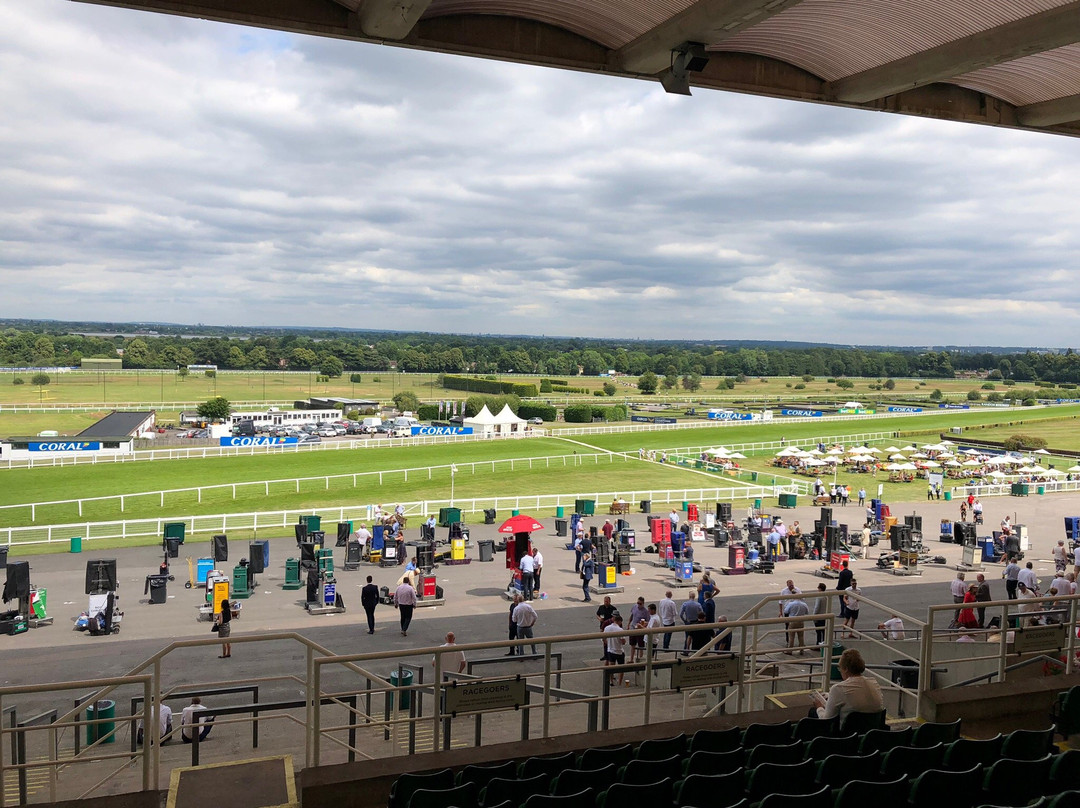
189	717
524	616
538	566
1028	578
614	653
362	535
453	660
892	629
164	723
668	611
957	588
527	566
654	622
854	694
1076	560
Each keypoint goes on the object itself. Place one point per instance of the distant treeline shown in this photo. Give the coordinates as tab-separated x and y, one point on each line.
548	356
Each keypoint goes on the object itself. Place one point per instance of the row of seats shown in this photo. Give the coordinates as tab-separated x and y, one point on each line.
876	755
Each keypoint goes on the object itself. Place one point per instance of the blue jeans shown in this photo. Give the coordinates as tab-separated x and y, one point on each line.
585	588
525	633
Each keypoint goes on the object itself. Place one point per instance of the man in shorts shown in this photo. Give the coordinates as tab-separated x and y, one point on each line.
614	647
639	618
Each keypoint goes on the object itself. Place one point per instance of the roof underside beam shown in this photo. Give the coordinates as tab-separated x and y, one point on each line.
1050	113
1034	34
352	5
391	19
707	21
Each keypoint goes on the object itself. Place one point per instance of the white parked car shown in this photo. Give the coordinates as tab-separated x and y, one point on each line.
327	432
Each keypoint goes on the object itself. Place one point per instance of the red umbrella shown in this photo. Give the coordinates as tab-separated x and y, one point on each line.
520	524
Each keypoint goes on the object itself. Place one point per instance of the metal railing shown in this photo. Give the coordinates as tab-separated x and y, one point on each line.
1004	488
254	522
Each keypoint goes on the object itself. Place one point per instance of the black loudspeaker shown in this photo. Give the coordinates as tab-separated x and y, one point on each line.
220	546
843	534
17	586
723	511
425	557
255	558
832	539
819	526
826	516
307	552
317	537
342	534
427	533
301	533
100	576
593	532
621	525
914	522
489	516
313	586
969	536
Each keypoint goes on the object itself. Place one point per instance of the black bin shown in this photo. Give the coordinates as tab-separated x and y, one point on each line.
622	562
907	675
487	549
646	506
172	546
3	557
489	516
425	556
156	587
560	527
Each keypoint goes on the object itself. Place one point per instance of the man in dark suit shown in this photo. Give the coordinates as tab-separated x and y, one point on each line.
369	599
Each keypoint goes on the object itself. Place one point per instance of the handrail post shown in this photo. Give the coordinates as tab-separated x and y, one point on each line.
151	695
436	712
926	660
311	754
545	723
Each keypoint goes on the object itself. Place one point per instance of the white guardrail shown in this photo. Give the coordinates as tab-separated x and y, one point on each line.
283	520
1003	488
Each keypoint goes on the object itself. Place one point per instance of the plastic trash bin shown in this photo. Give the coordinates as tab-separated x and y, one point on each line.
560	527
646	506
174	530
313	522
106	730
157	588
907	676
76	544
837	650
405	697
486	548
560	512
948	496
173	547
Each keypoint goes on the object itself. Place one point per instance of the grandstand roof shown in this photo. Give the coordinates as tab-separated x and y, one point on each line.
1002	62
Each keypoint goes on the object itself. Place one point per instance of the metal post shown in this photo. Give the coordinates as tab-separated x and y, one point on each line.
312	709
255	719
547	688
351	701
152	689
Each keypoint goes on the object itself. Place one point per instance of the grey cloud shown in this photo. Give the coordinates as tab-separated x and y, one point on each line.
156	167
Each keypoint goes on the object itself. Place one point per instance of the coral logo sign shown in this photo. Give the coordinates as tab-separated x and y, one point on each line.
905	409
262	440
728	415
803	413
64	446
442	430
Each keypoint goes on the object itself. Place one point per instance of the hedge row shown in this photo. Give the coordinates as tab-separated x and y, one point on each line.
562	388
528	410
585	413
554	381
490	386
427	412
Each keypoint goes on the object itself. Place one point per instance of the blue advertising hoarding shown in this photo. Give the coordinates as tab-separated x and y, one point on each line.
257	440
905	409
641	419
803	413
64	445
441	430
944	406
727	415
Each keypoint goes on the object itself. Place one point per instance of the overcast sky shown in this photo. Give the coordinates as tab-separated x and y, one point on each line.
168	169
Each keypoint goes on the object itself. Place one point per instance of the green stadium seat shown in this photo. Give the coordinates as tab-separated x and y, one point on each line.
480	776
642	772
963	753
503	789
911	760
818	799
766	733
1067	799
660	748
586	798
932	785
878	794
931	734
402	789
1066	712
780	778
713	762
1042	802
441	797
774	753
836	770
621	795
821	748
571	781
1065	772
862	722
1016	782
550	766
595	758
715	740
705	791
1028	744
882	740
809	728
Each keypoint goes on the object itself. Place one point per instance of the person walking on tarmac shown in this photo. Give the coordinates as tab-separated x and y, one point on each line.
369	599
224	628
405	601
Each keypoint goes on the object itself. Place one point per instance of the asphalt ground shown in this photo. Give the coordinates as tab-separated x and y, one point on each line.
475	608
